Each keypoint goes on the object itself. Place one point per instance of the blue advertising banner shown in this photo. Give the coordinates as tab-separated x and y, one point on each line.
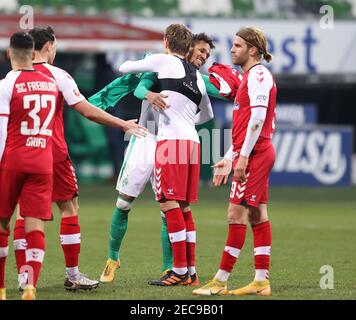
294	114
312	156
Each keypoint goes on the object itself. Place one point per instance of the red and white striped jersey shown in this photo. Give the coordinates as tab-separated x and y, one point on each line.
28	98
257	89
68	92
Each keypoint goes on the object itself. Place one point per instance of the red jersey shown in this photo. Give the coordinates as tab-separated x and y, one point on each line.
68	92
29	99
257	89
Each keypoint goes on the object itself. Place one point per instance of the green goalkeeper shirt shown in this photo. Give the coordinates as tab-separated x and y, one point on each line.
139	84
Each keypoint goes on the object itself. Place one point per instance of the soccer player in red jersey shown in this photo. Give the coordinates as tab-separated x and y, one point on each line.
252	129
65	188
28	103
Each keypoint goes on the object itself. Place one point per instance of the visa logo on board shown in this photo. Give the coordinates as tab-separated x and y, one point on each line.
316	153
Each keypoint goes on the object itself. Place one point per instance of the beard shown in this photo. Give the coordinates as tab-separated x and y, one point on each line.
239	60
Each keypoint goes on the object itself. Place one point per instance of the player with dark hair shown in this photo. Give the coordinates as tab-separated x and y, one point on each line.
177	177
253	126
65	190
135	171
28	103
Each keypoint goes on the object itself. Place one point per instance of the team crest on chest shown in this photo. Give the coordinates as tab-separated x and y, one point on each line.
236	106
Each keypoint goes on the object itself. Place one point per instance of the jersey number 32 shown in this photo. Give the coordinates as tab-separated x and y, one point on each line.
40	101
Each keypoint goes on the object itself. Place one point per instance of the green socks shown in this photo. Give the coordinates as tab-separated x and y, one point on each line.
118	229
166	247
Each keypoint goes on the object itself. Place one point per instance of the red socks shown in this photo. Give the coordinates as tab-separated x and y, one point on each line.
262	240
190	240
70	240
177	236
4	249
34	254
20	244
235	241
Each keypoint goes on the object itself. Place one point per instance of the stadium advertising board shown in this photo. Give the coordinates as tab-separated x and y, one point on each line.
306	154
298	46
296	114
312	156
293	114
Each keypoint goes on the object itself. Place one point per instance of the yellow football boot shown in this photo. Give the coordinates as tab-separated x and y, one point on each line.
2	293
29	293
257	288
214	287
108	274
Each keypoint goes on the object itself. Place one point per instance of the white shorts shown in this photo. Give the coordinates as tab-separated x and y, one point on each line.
138	166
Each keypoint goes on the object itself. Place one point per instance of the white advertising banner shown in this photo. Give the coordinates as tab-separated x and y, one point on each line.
298	46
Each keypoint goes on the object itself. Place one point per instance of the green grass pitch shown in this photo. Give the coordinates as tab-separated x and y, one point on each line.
311	227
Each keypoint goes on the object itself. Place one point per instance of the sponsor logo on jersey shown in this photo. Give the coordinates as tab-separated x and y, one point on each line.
236	106
234	71
190	87
261	98
170	192
316	153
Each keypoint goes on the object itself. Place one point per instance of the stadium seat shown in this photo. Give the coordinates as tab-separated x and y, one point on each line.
140	7
243	8
165	7
58	3
117	5
264	8
218	8
201	8
342	8
34	3
9	6
353	7
189	8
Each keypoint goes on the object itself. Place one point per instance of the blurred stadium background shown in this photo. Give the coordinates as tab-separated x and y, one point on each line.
315	68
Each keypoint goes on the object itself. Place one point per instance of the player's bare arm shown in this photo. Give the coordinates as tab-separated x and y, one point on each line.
222	171
240	169
100	116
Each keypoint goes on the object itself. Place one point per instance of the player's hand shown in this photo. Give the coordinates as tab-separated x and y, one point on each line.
240	169
157	100
131	127
222	171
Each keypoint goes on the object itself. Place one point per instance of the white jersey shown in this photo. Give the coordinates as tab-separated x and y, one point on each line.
149	117
188	100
